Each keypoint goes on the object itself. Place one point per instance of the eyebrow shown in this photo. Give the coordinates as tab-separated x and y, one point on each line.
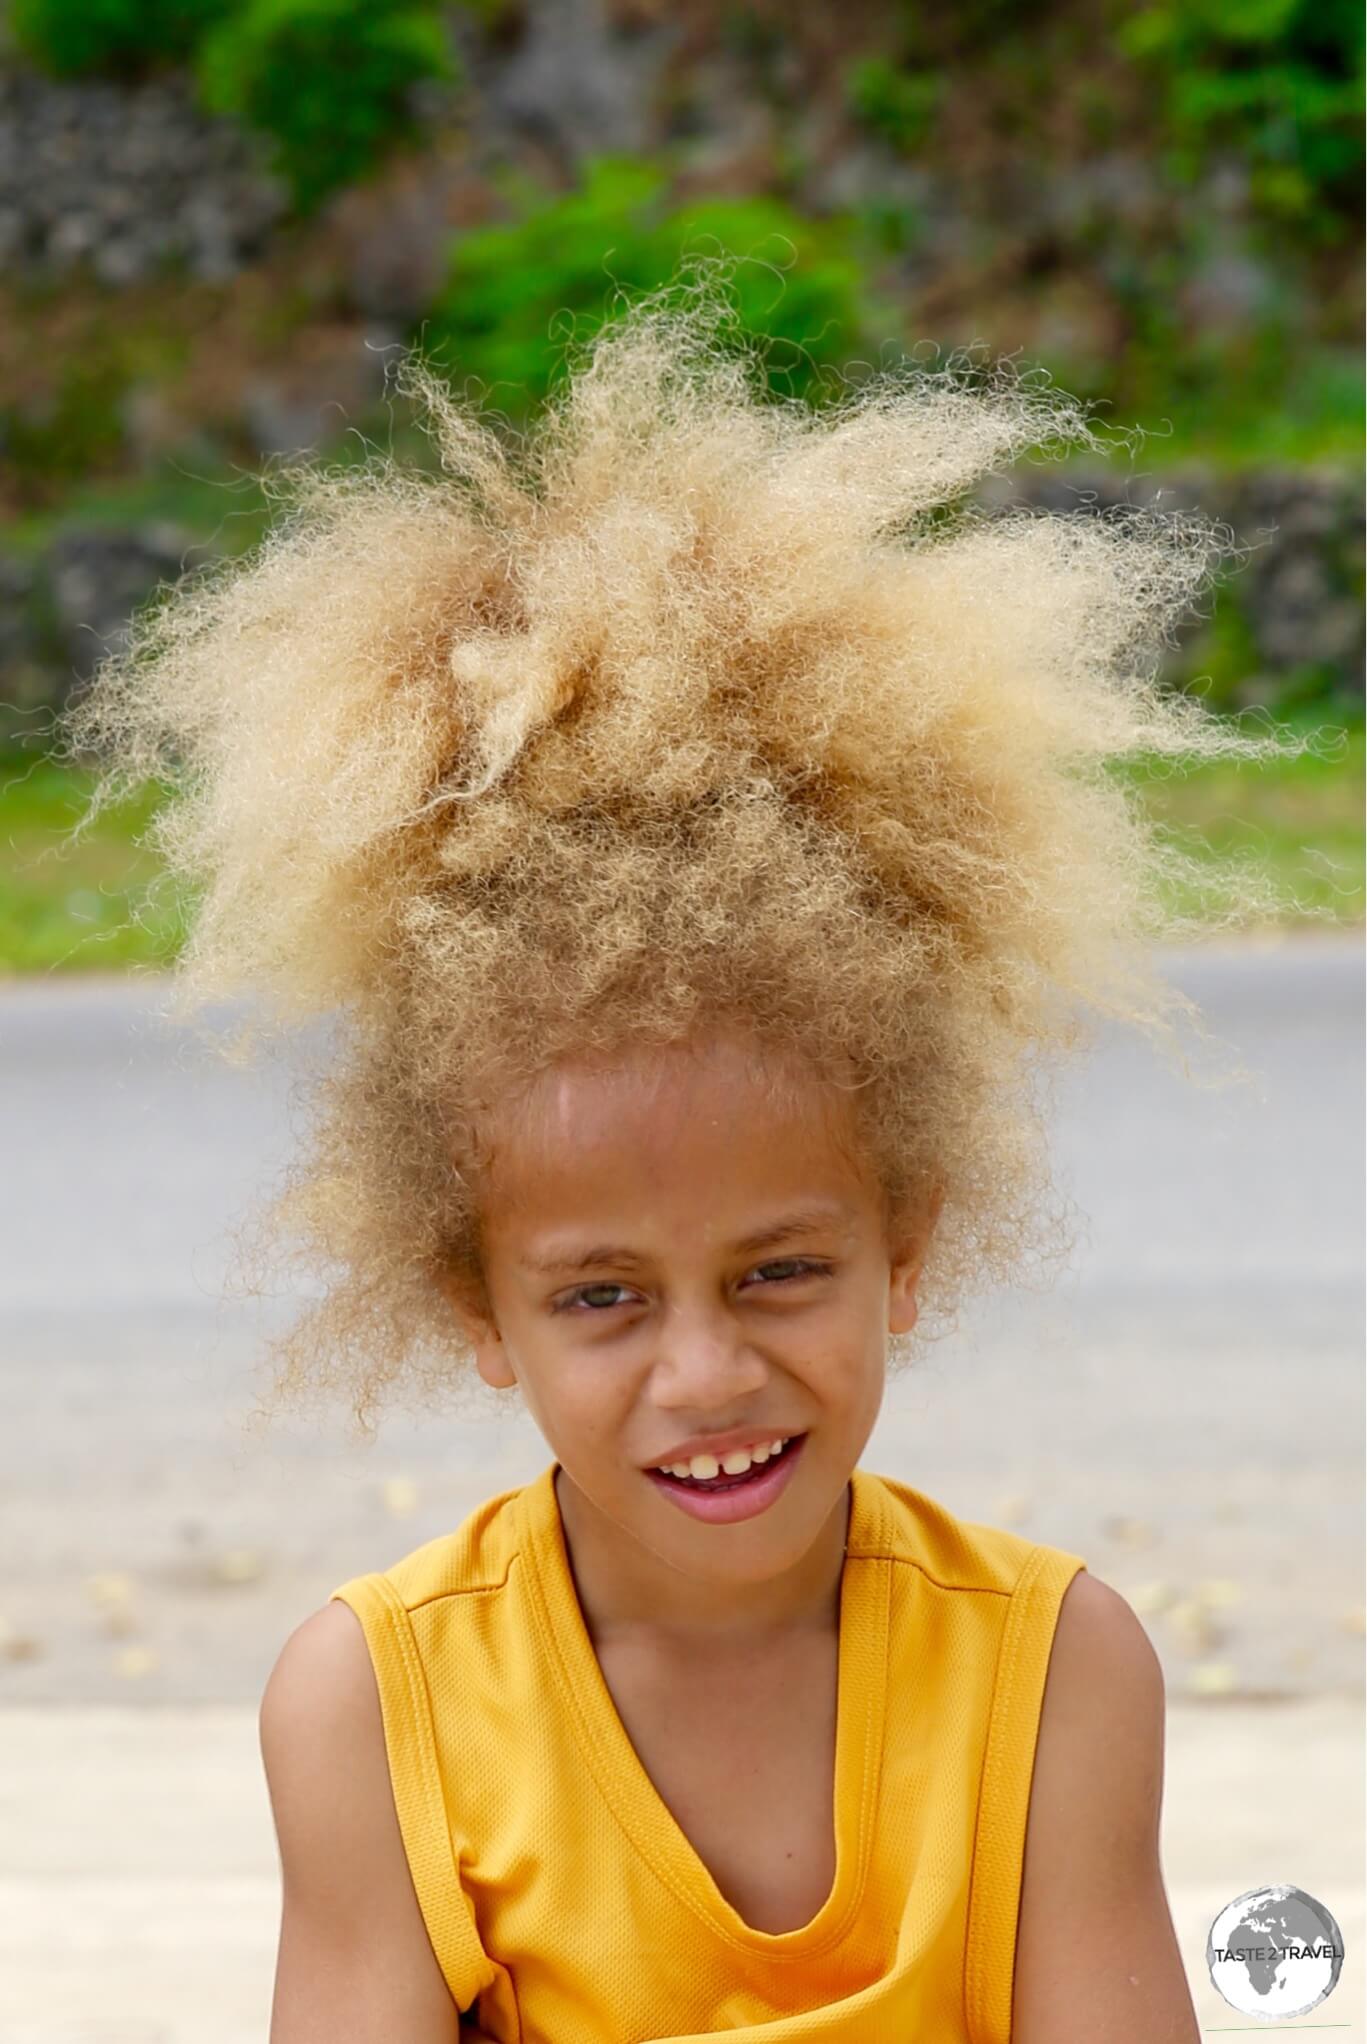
808	1220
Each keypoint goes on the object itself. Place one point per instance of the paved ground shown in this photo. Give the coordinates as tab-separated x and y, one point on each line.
1185	1409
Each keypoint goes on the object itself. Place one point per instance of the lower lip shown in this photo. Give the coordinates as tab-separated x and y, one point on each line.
745	1501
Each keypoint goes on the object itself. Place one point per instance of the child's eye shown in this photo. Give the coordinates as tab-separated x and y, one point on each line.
798	1266
583	1294
794	1266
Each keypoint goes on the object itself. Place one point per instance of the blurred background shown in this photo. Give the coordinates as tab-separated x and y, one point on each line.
219	219
220	222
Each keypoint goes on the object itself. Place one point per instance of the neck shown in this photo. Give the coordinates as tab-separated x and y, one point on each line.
626	1591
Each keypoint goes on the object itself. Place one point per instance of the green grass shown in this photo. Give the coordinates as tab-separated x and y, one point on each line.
77	906
91	905
1300	820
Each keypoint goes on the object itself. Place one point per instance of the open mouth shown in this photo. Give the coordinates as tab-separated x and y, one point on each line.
751	1475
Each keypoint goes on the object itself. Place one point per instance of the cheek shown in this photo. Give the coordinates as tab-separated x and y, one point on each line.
848	1315
843	1346
589	1390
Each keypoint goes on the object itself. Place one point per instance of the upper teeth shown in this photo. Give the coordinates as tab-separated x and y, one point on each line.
734	1464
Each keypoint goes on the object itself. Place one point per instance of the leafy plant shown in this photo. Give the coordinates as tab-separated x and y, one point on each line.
118	37
328	80
1282	79
508	287
897	104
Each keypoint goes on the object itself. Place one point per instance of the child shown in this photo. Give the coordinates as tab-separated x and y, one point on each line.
701	837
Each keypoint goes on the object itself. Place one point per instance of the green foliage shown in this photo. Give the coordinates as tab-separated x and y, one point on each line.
509	288
491	15
77	431
118	37
327	80
1282	80
76	427
1223	654
899	105
1258	386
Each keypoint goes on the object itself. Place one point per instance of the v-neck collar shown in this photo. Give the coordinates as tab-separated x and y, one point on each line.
636	1803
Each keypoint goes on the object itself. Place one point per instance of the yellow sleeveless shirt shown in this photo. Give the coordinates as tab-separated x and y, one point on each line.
558	1891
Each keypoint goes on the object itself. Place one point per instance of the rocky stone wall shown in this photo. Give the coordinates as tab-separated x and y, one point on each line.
131	181
123	180
1297	597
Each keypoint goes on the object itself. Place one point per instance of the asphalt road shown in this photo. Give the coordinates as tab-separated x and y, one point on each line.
1184	1407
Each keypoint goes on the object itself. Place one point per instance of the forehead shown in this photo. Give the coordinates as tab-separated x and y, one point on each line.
721	1116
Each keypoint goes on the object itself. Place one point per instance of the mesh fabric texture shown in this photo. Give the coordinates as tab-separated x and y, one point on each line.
564	1903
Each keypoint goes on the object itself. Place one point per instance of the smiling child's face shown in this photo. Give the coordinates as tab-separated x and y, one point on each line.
621	1297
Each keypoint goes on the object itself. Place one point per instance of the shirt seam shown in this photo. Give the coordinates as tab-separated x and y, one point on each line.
854	1554
396	1613
998	1712
1044	1565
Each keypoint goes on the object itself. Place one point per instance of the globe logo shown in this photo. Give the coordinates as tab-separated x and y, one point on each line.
1274	1952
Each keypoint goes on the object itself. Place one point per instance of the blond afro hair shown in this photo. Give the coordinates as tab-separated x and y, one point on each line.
692	702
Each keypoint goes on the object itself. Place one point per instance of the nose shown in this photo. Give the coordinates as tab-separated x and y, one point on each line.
703	1361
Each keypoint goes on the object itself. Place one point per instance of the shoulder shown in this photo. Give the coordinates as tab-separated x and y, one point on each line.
893	1520
1105	1680
1096	1949
1099	1750
352	1929
320	1722
321	1725
323	1678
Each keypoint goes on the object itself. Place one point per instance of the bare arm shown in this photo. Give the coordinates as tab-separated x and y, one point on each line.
355	1961
1097	1959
